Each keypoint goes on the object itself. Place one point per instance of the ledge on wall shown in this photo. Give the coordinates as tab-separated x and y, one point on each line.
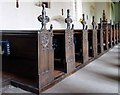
58	18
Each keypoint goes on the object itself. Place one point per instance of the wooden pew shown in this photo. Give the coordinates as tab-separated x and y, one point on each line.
81	44
92	40
100	38
22	64
38	58
31	61
69	45
116	30
59	52
64	53
105	31
110	34
113	37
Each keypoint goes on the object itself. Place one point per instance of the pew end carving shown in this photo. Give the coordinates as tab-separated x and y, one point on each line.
105	31
69	44
100	37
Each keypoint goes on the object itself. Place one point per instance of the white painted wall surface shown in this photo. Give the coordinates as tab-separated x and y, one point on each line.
96	9
25	17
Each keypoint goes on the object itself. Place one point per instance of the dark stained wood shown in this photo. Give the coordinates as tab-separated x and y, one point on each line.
85	41
119	32
23	60
110	34
105	31
116	30
45	58
78	47
94	38
100	37
82	51
59	51
113	29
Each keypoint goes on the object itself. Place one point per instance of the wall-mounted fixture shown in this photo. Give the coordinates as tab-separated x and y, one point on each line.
17	3
41	2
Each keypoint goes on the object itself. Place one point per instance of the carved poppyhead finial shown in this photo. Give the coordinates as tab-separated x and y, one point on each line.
110	22
104	16
51	27
83	16
72	26
93	22
83	21
68	20
43	6
68	13
93	18
100	20
43	18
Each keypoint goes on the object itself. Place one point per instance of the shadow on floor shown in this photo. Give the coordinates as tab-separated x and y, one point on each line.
107	63
103	75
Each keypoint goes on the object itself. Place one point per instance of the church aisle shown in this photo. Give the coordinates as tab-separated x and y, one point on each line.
100	76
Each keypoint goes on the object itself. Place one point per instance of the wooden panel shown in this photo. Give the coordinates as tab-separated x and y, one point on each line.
59	52
85	45
23	47
94	42
111	37
70	50
45	58
92	38
105	35
113	29
45	52
100	40
69	44
22	63
117	33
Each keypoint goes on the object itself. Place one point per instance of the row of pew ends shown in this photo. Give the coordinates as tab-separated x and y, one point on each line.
49	55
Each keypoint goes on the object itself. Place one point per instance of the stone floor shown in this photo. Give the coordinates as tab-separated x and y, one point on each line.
11	89
100	76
